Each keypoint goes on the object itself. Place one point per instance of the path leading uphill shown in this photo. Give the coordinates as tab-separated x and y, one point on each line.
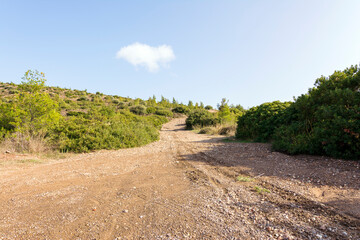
182	187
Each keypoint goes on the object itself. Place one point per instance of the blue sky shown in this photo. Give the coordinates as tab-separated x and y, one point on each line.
250	52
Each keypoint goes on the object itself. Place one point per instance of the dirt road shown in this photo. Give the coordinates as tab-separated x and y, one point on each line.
182	187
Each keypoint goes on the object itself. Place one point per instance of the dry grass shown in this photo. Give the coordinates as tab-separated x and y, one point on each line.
220	129
21	149
24	143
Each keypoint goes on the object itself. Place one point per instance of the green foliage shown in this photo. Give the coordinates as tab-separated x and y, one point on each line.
181	109
261	190
164	112
75	113
224	113
202	118
156	120
237	110
326	120
208	107
191	104
138	109
32	110
259	123
33	81
78	121
79	134
150	110
82	99
244	179
123	105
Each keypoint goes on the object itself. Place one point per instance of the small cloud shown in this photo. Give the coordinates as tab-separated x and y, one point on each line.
152	58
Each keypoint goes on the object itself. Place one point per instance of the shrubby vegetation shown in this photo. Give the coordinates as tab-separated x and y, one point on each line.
259	123
325	121
208	121
105	130
201	118
77	121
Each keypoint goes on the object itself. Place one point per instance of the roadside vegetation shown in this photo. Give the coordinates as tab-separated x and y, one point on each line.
36	118
209	121
324	121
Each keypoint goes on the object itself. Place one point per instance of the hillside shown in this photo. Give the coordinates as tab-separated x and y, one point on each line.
35	117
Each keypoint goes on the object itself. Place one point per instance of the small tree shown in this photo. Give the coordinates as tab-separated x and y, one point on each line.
33	110
208	107
190	104
224	113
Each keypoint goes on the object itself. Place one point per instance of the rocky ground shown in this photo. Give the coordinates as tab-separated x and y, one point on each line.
185	186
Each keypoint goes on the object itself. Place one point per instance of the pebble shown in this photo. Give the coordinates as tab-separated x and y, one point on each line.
319	236
125	211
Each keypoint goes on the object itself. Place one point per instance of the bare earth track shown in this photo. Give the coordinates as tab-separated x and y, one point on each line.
182	187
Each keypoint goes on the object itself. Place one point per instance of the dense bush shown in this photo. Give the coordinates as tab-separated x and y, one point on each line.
150	110
31	110
156	120
122	105
181	109
139	109
259	123
326	120
79	134
82	99
75	113
164	112
202	118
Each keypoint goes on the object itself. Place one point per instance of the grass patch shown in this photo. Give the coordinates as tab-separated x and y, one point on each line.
261	190
218	129
244	179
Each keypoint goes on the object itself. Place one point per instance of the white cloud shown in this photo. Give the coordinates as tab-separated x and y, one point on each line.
152	58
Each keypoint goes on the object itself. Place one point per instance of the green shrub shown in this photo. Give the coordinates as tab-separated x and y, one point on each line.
259	123
105	122
75	113
82	99
123	105
202	118
156	120
82	135
164	112
139	109
326	120
150	110
181	109
32	110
